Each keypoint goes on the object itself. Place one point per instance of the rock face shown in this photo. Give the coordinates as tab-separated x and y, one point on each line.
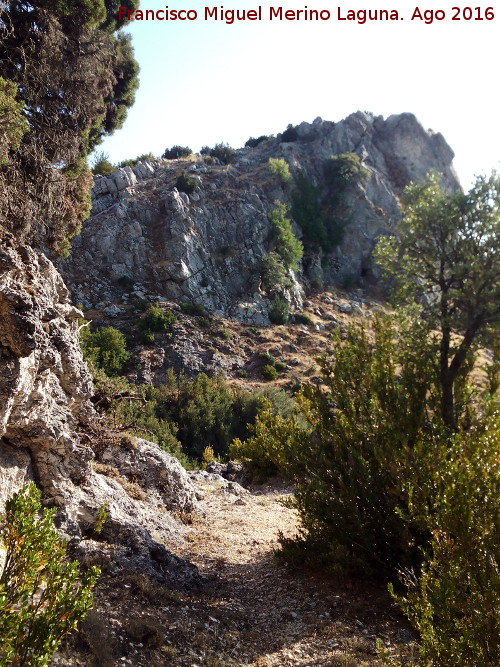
147	238
44	384
45	391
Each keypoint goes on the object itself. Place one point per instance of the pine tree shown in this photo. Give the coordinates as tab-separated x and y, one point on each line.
67	80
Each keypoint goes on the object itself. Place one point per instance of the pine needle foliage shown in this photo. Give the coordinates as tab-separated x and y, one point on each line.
70	80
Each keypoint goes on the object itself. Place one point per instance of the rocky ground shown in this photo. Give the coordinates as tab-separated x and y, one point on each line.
251	608
212	345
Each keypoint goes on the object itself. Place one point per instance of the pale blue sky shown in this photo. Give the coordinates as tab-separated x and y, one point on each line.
203	82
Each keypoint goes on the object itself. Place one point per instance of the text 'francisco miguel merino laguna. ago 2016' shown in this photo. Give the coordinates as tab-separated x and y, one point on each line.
259	13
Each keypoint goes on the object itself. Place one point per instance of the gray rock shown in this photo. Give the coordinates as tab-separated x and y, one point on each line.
112	310
45	389
123	177
207	249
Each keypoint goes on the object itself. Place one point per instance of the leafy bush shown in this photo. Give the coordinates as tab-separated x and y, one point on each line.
106	348
274	275
101	166
302	318
209	411
252	142
454	603
306	211
269	372
373	444
280	366
148	337
266	358
287	246
132	162
279	167
207	456
185	183
290	134
126	282
273	443
135	408
14	125
279	311
42	596
222	152
176	152
195	309
157	319
344	170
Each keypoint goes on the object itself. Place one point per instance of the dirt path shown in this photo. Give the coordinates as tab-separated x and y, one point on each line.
262	613
253	610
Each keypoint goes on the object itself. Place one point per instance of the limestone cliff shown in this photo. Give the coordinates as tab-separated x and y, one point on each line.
145	238
45	420
206	247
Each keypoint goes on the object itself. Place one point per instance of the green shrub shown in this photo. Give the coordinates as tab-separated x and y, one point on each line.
280	366
14	125
373	444
279	311
101	166
290	134
252	142
106	348
279	167
203	323
136	407
222	152
269	372
195	309
141	304
344	170
287	246
126	282
209	411
307	213
132	162
302	318
148	337
275	277
185	183
176	152
266	358
157	319
454	603
273	443
42	595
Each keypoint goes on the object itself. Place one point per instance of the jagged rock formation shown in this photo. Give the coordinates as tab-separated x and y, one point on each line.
45	386
45	391
147	239
206	247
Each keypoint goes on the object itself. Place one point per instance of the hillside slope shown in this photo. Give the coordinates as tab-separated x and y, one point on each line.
147	238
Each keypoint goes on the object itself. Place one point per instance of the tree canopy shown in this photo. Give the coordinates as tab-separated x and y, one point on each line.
66	80
445	256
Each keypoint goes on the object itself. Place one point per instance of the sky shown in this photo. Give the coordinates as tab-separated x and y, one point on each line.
205	81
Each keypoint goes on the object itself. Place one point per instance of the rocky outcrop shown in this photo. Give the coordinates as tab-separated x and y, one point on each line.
45	410
145	238
45	385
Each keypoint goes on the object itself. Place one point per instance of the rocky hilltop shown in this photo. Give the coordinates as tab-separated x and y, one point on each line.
145	238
